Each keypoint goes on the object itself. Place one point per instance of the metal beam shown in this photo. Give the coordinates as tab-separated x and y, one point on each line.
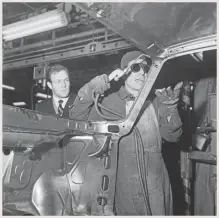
29	6
201	156
93	48
35	47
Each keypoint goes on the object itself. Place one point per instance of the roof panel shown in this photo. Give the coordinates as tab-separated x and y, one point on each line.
161	24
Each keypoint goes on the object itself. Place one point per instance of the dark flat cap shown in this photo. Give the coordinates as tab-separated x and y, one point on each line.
129	56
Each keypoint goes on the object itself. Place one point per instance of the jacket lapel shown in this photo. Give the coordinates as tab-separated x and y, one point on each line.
68	104
50	107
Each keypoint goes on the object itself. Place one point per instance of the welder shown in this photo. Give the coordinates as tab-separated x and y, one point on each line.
146	191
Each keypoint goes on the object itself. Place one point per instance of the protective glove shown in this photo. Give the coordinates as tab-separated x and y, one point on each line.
98	85
168	99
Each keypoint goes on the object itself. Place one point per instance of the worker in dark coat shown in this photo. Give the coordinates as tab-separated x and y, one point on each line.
58	81
51	186
160	119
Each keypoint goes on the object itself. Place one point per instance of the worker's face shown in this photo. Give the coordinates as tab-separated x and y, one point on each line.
136	77
60	84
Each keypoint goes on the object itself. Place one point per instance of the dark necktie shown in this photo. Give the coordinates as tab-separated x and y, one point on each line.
60	108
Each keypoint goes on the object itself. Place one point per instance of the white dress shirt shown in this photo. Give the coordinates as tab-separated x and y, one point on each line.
56	102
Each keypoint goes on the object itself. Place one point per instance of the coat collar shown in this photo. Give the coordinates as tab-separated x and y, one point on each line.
124	95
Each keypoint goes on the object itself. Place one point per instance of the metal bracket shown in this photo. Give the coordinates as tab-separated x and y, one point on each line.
201	156
153	73
93	48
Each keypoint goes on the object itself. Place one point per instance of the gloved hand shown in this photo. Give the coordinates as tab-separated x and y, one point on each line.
98	85
168	99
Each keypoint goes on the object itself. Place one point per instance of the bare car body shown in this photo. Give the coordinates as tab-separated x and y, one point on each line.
58	166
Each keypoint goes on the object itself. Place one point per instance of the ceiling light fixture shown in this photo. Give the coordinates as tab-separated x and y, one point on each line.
37	24
8	87
41	95
19	103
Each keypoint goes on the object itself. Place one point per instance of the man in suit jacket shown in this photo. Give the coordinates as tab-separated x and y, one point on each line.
58	81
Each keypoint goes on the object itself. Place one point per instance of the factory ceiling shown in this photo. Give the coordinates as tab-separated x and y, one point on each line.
89	46
71	46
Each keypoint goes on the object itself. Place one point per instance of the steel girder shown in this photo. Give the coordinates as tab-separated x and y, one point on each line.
86	47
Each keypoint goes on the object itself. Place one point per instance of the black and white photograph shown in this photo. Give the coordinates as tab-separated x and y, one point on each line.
109	108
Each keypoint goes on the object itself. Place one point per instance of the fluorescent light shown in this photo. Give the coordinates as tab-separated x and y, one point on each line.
30	31
82	137
8	87
41	95
19	103
37	24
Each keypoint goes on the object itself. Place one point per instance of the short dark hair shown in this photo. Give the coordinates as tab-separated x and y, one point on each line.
55	69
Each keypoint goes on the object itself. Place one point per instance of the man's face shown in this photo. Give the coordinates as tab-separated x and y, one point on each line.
60	84
135	80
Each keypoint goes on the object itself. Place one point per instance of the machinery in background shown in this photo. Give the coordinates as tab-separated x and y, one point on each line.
198	163
39	76
42	152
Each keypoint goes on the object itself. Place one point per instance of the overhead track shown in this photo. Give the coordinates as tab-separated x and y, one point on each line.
88	49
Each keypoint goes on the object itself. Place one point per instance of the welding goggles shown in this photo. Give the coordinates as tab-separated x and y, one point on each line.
135	68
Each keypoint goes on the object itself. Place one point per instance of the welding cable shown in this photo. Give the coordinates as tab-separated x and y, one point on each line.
112	76
139	154
97	105
142	172
138	144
